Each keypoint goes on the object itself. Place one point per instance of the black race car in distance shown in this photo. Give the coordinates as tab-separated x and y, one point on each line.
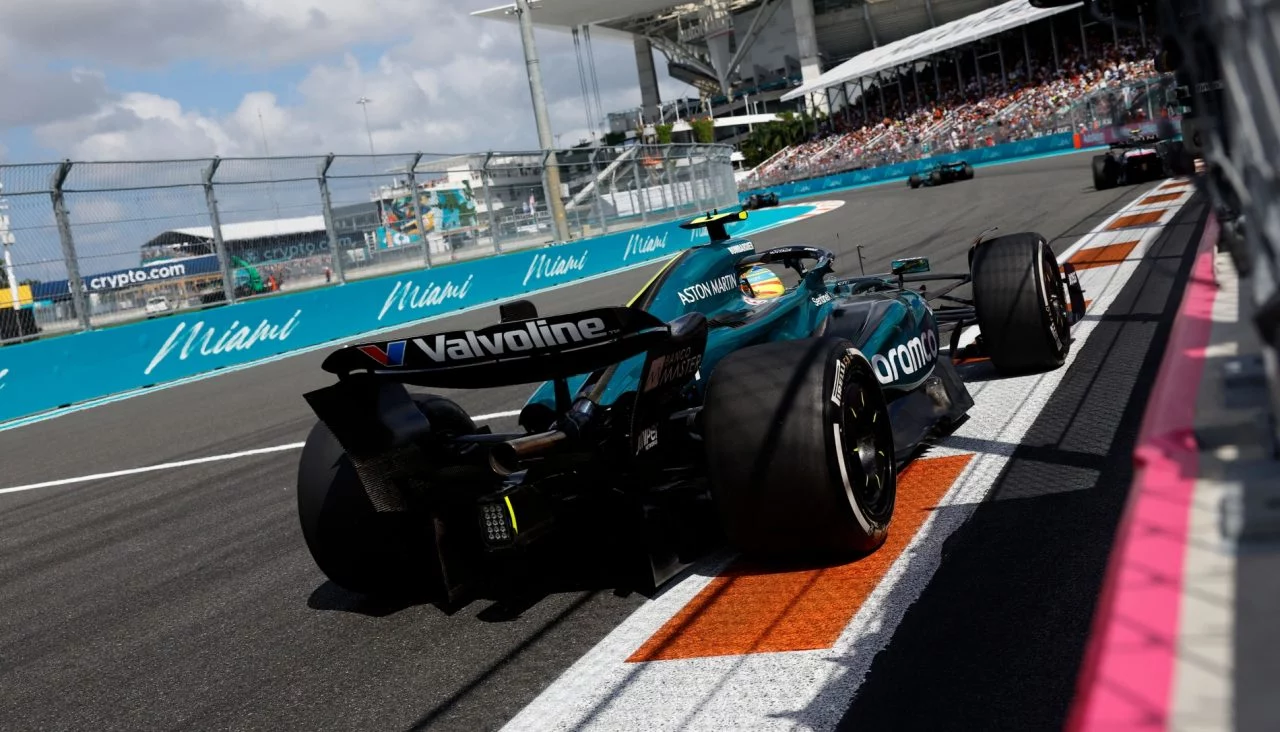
941	174
761	200
1139	159
697	414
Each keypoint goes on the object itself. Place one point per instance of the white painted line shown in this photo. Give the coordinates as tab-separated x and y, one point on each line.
152	468
196	461
496	415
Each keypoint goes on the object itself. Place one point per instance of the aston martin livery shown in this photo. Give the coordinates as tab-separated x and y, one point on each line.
941	174
761	200
719	405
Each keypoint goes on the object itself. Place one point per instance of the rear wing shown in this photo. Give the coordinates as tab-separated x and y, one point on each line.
1136	141
512	352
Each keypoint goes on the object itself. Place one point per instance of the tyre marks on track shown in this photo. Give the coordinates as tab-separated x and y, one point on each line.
737	647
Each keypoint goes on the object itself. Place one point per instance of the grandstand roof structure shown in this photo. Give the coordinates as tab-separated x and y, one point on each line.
693	35
957	33
633	17
257	229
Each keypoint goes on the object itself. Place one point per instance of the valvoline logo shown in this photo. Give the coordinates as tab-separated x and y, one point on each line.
393	356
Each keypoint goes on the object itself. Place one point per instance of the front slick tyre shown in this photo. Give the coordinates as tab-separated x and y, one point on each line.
800	450
1021	304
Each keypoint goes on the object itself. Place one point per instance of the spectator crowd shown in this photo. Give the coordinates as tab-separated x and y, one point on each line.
972	112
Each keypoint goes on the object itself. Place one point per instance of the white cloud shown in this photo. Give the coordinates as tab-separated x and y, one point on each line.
33	95
446	82
136	124
151	33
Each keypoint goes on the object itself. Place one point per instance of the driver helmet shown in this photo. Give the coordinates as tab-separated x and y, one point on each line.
758	282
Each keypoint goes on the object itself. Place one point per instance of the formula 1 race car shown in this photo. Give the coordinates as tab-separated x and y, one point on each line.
711	407
760	200
941	174
1138	159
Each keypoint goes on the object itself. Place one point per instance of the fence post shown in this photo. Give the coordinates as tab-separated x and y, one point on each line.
706	183
642	193
215	222
663	178
417	208
693	182
326	203
559	226
79	301
494	234
711	179
595	189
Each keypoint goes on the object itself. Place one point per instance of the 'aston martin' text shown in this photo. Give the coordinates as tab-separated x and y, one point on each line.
711	288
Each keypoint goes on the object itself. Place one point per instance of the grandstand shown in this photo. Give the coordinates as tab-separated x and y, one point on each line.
891	79
1002	75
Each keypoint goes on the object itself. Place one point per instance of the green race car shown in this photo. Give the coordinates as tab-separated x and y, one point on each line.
718	405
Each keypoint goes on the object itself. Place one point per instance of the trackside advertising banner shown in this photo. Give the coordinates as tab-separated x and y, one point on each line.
132	277
996	153
58	371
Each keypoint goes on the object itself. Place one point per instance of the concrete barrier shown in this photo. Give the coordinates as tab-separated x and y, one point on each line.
54	372
1007	152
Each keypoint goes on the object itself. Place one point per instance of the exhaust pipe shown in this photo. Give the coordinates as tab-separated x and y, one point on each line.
505	457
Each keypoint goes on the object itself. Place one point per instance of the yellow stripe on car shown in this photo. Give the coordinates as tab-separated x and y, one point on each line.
653	279
511	511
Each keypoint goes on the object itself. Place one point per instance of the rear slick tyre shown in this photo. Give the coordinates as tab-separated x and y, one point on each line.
1021	303
1102	174
800	450
384	554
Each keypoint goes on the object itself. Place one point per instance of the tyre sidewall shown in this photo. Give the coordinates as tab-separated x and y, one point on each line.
856	377
793	501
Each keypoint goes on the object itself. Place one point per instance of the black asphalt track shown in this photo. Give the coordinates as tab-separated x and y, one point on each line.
996	639
186	599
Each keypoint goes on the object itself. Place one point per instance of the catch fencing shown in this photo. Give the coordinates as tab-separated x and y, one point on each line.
93	244
1116	103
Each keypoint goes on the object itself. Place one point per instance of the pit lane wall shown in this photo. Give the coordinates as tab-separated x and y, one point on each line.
43	375
1007	152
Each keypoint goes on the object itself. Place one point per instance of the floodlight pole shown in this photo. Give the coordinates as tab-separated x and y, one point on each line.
368	131
560	225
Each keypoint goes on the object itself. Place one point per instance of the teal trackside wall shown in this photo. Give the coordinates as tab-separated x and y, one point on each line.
46	374
1007	152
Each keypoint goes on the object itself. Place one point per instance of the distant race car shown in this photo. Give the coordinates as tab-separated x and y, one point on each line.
716	405
1138	159
760	200
943	173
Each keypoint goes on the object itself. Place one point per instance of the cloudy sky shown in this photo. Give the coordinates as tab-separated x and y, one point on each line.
138	79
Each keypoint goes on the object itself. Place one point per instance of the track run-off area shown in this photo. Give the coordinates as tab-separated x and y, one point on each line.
153	575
